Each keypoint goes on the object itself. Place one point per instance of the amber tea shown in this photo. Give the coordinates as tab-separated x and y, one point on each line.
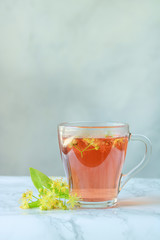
93	160
95	166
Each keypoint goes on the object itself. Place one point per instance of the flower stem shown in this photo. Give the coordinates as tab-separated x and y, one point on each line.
86	147
78	149
35	197
91	149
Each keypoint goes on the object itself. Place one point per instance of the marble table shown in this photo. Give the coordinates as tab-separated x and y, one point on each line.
137	215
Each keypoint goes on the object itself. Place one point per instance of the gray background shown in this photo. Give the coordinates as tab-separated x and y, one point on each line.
71	61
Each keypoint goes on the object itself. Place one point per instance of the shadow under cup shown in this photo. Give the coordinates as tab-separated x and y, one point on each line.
93	155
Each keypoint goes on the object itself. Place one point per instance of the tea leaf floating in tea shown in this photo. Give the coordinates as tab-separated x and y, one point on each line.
53	193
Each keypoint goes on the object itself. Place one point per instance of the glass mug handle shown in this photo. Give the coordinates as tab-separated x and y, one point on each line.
148	149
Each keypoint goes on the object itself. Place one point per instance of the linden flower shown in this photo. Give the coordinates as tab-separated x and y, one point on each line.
59	184
73	143
117	141
29	194
48	200
56	185
56	196
24	204
89	140
73	200
61	205
97	147
64	189
25	199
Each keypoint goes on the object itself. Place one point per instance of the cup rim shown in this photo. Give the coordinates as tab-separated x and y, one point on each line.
94	124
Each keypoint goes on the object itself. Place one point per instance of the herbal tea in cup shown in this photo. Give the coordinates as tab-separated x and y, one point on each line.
93	155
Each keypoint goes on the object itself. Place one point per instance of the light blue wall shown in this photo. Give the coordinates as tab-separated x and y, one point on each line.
76	60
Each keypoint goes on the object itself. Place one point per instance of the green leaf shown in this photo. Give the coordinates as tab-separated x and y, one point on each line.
39	179
34	204
63	194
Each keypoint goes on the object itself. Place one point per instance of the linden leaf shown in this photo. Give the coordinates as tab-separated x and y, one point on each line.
34	204
39	179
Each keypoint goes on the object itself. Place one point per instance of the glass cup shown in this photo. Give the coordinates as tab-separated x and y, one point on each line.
93	154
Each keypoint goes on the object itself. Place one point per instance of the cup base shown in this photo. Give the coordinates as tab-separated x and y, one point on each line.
106	204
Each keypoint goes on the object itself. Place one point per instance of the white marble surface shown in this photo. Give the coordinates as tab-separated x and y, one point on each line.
137	215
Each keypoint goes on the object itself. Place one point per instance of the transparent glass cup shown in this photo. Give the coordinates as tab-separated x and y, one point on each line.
93	155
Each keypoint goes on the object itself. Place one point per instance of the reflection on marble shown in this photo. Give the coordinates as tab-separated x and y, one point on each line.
137	215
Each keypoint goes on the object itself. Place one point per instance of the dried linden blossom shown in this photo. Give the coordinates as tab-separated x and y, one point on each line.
118	141
73	143
91	142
